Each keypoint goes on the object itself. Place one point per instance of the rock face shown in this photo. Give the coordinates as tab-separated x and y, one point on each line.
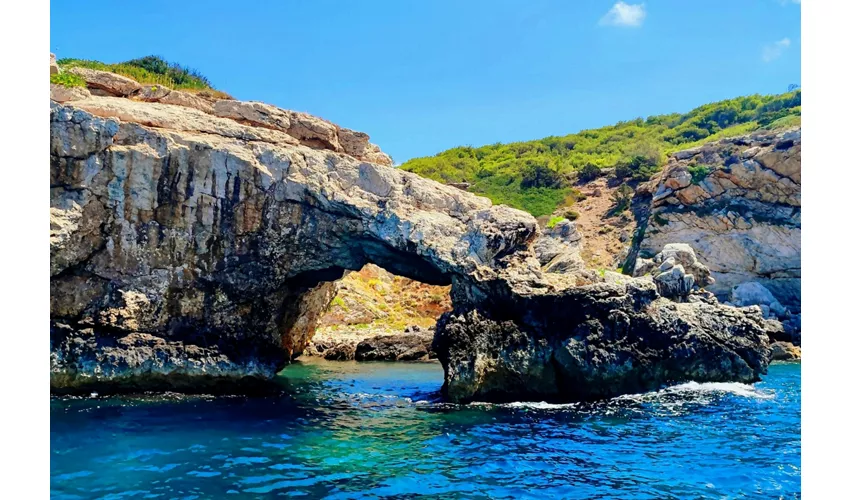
784	351
606	339
675	270
736	202
61	93
219	236
413	344
110	83
195	252
559	248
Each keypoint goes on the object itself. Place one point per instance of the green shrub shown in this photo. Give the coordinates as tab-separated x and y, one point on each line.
67	80
622	198
698	173
554	221
571	214
589	172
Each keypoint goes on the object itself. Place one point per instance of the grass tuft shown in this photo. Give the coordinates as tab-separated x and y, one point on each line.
67	80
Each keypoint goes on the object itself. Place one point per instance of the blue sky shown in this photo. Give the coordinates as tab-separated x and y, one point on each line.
421	77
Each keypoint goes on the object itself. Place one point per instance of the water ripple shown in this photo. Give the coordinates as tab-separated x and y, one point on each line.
375	430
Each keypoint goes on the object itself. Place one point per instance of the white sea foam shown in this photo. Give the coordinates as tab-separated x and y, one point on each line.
736	388
539	405
701	388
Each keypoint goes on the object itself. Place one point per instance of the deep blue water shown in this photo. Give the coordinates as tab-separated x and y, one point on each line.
372	430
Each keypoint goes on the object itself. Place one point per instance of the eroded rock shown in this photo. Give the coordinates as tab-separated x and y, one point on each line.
61	93
594	342
114	84
784	351
741	215
204	250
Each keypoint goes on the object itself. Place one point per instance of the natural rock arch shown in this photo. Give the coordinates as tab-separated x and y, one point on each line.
163	234
191	251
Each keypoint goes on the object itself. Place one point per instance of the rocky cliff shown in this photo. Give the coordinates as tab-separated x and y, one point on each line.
194	249
736	202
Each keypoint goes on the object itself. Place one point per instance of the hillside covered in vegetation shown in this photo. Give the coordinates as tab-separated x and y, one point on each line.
538	176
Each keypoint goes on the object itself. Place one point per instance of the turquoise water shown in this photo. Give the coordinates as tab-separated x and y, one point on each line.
375	430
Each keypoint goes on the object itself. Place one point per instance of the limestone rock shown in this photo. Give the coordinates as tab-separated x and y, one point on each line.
112	83
190	251
152	93
784	351
177	118
187	100
674	282
643	267
742	219
254	113
639	343
353	143
559	248
309	130
753	293
683	254
313	131
408	346
61	93
54	68
375	155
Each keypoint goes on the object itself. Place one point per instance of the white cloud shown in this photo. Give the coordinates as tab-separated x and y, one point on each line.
623	14
774	50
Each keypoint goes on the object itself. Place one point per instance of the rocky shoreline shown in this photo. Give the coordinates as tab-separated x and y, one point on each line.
197	246
412	344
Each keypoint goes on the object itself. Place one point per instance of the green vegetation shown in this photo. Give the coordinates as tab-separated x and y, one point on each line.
622	198
151	70
571	214
536	176
698	173
67	80
339	302
589	172
554	221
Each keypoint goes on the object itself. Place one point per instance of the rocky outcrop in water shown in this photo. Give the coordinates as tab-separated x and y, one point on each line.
219	240
736	202
196	251
609	338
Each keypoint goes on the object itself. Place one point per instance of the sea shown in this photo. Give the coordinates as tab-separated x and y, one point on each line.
351	430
